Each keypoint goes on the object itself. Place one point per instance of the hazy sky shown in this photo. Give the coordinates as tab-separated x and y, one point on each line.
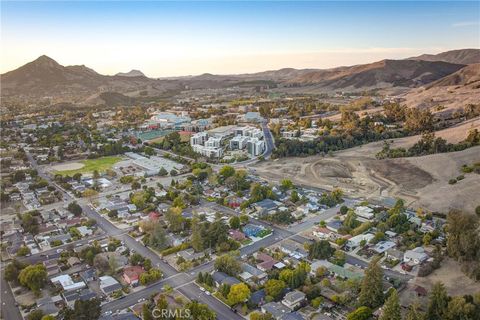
182	38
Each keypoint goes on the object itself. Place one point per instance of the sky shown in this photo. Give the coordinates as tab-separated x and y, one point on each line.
179	38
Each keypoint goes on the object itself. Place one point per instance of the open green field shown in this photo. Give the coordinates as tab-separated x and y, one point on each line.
90	165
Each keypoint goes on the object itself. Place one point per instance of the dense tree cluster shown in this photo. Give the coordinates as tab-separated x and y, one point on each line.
463	241
428	144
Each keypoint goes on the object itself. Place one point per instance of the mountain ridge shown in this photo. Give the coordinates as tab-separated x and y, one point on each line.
46	77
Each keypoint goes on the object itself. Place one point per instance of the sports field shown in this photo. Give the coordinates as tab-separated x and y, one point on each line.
89	165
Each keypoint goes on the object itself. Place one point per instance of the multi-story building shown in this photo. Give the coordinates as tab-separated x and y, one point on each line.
213	142
255	147
238	142
199	138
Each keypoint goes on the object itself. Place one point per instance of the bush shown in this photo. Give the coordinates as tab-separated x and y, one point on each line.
461	177
452	181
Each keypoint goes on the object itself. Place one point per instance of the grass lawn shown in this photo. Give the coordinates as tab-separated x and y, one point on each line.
90	165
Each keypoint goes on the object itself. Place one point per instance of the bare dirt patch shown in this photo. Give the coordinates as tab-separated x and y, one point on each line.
420	181
68	166
403	173
454	280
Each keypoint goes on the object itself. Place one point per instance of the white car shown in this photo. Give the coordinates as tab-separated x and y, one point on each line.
202	289
59	250
207	293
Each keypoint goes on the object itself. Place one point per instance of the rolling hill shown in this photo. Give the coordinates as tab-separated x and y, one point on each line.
463	56
44	77
381	74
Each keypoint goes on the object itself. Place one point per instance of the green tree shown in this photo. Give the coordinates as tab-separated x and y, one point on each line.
146	313
274	288
234	222
13	269
33	277
238	293
23	251
83	310
294	196
158	237
196	240
371	293
414	313
261	316
74	208
391	308
199	311
460	309
226	172
320	250
362	313
229	264
437	303
162	172
286	184
149	151
35	315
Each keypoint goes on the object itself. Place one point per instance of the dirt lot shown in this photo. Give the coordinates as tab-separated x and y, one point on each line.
456	282
421	181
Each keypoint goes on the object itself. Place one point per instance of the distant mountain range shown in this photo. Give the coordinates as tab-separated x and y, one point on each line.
131	73
45	77
462	56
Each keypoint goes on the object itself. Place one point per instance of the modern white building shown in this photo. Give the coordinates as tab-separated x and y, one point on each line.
209	152
255	147
199	138
238	142
213	142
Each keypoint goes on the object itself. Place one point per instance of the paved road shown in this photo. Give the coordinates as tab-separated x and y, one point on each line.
9	310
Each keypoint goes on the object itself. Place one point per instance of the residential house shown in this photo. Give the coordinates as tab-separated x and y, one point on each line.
131	275
394	254
190	254
325	234
88	275
276	309
356	241
293	299
51	266
237	235
257	298
109	285
415	256
364	212
334	225
383	246
222	278
266	206
252	274
67	283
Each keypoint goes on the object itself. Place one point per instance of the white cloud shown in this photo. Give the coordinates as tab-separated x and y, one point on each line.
466	24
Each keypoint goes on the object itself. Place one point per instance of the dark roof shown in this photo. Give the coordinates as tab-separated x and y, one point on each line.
223	278
292	316
258	297
87	274
267	204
